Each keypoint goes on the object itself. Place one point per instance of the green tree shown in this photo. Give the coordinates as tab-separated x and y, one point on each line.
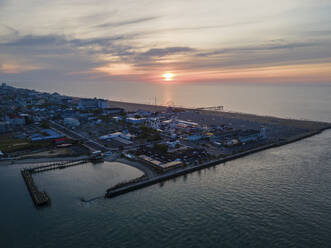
162	148
45	124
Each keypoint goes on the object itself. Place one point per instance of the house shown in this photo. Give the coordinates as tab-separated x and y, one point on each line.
87	104
15	120
172	144
68	113
143	113
154	123
72	122
194	137
67	100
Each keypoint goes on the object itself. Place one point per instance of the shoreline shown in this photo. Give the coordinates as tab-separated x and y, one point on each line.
39	160
154	180
130	106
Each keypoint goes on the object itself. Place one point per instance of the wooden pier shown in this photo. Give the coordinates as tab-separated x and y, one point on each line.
40	198
57	165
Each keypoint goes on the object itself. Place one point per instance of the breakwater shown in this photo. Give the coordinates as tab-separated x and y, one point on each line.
39	198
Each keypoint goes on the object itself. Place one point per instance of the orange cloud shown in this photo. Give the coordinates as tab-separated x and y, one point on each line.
121	69
287	73
16	68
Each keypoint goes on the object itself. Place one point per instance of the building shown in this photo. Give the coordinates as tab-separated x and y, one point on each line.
103	104
184	124
15	120
263	133
112	111
194	137
126	136
154	123
68	113
71	122
249	136
143	113
46	134
163	167
87	104
123	138
117	118
135	121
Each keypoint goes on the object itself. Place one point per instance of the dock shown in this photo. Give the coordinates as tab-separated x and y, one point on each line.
40	198
57	165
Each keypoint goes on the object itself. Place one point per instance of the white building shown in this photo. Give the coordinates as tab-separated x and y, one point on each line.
72	122
154	123
133	120
126	136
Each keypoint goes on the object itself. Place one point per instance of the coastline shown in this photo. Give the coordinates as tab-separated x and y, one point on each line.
39	160
228	114
180	172
302	129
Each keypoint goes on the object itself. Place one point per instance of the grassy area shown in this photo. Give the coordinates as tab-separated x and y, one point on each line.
10	144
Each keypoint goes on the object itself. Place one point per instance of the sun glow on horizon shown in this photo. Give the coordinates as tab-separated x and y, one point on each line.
168	76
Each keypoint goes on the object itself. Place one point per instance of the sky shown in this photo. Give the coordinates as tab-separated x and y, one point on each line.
258	41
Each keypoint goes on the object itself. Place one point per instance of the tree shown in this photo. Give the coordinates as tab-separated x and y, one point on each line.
162	148
45	124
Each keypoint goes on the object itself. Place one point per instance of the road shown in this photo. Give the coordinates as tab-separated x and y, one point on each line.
91	144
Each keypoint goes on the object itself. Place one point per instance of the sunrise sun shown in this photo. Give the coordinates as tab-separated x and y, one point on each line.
168	76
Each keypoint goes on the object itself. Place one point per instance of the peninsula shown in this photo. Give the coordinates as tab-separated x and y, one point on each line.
161	141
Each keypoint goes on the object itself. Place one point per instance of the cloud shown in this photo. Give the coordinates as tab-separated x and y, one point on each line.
127	22
42	40
205	27
263	47
160	52
34	40
16	68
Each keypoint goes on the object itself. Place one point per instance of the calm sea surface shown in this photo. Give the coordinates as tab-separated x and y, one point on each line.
276	198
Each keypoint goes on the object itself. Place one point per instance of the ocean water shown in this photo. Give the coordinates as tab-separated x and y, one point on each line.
275	198
303	101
